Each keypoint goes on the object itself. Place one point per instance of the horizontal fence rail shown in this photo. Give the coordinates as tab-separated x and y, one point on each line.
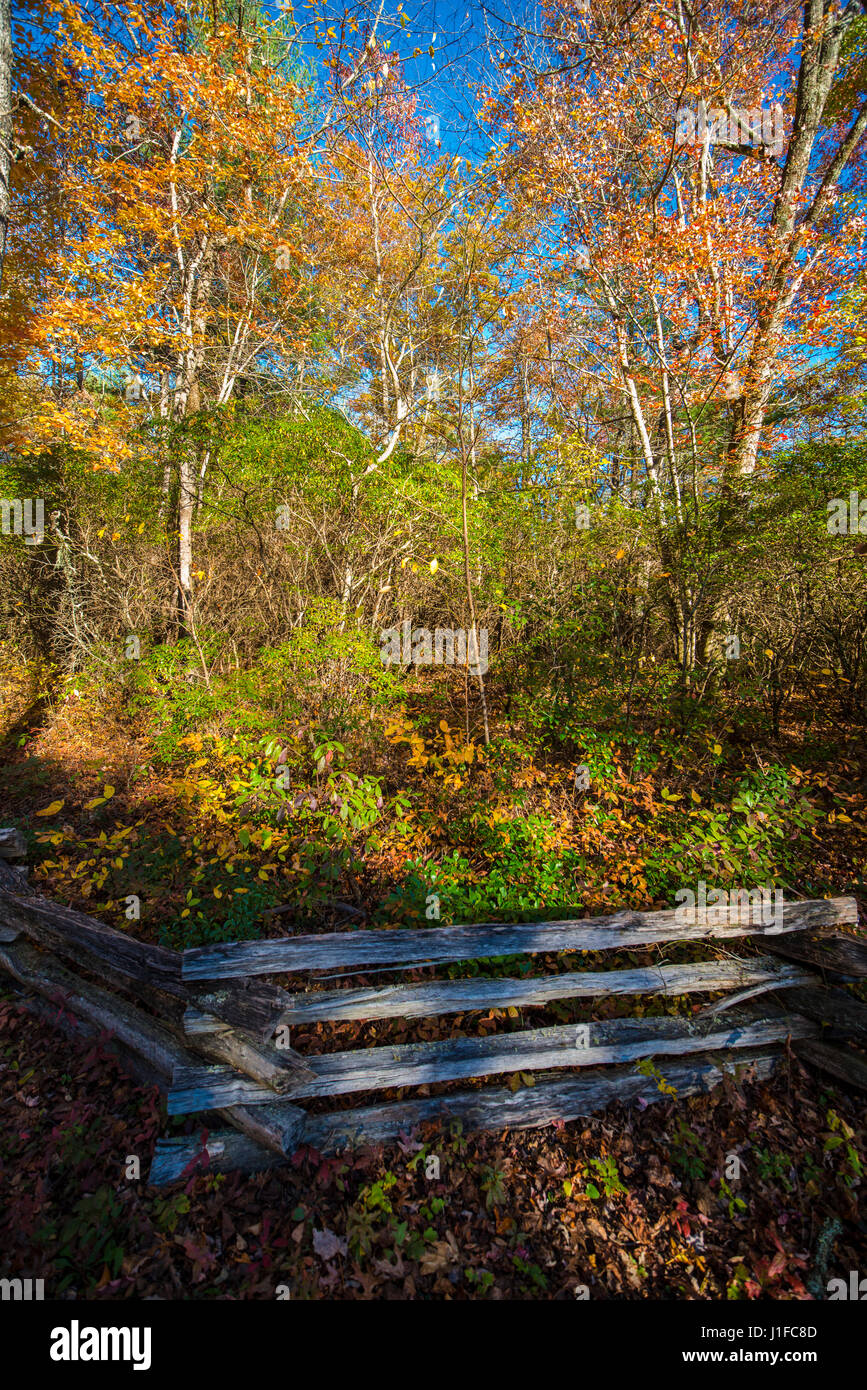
215	1037
461	1059
560	1098
465	996
440	945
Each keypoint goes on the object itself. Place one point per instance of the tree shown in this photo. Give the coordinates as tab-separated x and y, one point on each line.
680	165
182	159
6	148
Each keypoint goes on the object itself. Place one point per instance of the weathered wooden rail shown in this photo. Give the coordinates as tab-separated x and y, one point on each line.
214	1035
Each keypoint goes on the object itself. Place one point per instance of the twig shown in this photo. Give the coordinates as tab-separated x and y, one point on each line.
740	995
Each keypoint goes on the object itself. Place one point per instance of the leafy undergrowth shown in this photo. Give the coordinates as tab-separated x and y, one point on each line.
630	1204
191	837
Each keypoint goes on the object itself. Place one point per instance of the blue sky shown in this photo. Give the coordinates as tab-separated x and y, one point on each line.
458	32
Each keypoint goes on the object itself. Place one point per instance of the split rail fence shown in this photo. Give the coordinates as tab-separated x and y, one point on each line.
209	1029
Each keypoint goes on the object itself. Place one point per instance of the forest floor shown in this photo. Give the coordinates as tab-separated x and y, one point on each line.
510	1216
636	1202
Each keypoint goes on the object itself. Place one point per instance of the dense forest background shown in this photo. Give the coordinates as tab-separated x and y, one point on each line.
293	359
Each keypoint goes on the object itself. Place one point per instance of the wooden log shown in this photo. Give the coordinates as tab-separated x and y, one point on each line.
564	1097
417	1064
278	1126
12	844
13	881
463	996
117	960
254	1008
624	930
740	996
62	928
839	1062
40	971
845	1016
166	999
196	1087
78	1030
276	1067
151	972
13	878
276	1061
135	1031
833	952
272	1125
226	1153
198	1024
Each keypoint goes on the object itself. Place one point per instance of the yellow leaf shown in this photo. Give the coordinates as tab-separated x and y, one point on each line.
695	796
620	554
847	820
97	801
52	809
716	748
769	653
512	1011
108	792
